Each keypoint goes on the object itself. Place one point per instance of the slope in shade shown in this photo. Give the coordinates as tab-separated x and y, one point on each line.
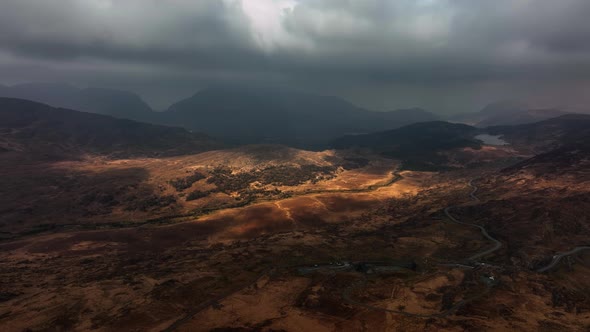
44	130
120	104
275	115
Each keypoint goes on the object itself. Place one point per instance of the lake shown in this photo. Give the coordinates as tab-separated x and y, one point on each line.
491	139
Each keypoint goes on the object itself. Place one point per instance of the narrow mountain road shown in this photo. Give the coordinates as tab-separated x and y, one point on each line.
557	258
346	294
484	232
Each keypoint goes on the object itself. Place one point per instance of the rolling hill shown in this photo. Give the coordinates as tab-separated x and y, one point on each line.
43	130
418	145
507	113
548	134
116	103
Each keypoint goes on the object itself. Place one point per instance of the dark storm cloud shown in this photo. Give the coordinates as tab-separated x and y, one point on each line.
368	42
204	33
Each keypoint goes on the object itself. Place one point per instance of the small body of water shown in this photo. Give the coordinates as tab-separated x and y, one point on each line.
491	139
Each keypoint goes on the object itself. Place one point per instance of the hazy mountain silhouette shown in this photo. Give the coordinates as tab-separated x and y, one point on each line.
43	130
274	115
120	104
236	113
507	113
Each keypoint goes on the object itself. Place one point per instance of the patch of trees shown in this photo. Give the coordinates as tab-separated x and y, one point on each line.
293	175
181	184
227	182
197	194
148	202
284	175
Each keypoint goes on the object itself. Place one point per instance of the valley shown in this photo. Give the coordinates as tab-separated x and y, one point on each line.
425	227
389	231
294	166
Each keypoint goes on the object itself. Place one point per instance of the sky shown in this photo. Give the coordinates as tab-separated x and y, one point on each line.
447	56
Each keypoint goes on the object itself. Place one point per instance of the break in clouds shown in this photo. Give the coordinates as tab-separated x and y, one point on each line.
441	54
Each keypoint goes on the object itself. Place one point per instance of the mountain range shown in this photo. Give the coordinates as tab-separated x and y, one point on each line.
236	114
507	113
275	115
253	114
42	130
116	103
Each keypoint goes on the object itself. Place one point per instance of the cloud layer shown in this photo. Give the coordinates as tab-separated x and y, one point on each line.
340	46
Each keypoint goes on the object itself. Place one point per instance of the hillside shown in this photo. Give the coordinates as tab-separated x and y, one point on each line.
43	130
507	113
419	145
274	115
120	104
236	114
548	134
569	158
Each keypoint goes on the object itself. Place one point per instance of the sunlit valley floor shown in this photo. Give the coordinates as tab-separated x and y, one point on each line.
271	238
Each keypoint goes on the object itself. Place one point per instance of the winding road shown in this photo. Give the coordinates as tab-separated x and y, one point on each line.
484	232
557	258
469	263
497	245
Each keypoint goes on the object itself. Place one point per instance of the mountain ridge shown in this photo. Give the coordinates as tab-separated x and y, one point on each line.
40	129
275	115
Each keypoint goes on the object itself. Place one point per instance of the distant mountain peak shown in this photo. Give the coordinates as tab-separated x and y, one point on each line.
270	114
504	106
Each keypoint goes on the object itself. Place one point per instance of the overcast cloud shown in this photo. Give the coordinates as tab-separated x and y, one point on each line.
445	55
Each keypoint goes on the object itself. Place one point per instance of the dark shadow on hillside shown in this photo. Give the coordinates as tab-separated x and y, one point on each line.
34	193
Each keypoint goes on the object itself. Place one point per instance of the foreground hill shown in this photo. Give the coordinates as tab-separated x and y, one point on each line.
274	115
120	104
43	130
